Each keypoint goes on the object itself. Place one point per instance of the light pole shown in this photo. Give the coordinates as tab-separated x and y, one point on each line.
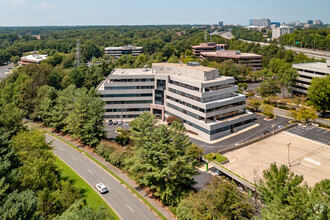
289	154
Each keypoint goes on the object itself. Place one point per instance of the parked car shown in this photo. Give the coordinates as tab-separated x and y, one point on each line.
127	123
115	122
101	188
266	132
110	122
280	126
120	122
218	172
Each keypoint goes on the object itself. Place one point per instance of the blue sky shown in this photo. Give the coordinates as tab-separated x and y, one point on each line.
139	12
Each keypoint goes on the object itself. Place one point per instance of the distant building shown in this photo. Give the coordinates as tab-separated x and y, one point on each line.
119	51
208	104
276	23
310	22
33	58
250	59
254	28
279	31
207	47
308	71
262	22
317	22
221	23
250	22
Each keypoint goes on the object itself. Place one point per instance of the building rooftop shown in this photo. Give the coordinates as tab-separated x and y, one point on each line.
199	68
137	71
315	66
128	47
35	57
230	54
209	45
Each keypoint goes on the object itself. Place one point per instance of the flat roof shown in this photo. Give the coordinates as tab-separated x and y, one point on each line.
137	71
35	57
230	54
200	68
315	66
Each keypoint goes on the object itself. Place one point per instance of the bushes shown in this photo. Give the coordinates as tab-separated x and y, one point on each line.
284	107
113	153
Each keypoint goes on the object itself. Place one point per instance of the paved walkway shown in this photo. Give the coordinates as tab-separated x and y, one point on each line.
157	204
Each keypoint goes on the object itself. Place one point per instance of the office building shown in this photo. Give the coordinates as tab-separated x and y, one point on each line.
33	58
208	104
317	22
310	22
265	22
250	59
119	51
307	71
250	22
279	31
275	23
207	47
221	23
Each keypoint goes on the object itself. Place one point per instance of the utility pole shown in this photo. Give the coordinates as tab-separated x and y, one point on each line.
289	155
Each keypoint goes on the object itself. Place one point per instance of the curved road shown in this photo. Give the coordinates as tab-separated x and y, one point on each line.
121	200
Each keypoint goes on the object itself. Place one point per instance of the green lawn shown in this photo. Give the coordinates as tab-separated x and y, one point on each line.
217	157
93	199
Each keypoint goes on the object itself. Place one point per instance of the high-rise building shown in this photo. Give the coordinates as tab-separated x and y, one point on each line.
208	104
276	23
119	51
317	22
279	31
265	22
310	22
221	23
250	22
308	71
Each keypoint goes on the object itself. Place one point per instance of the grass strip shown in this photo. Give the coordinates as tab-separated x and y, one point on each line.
112	173
93	199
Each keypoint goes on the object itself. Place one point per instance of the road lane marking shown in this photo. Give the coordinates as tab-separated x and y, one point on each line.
324	140
130	208
60	148
108	187
90	171
74	158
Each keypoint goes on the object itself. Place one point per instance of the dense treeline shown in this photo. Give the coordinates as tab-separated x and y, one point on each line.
31	185
243	33
310	38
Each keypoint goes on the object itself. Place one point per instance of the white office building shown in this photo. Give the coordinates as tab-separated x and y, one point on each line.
119	51
208	104
279	31
265	22
307	71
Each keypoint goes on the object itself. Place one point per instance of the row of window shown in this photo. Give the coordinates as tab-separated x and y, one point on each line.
215	131
127	95
128	87
206	99
128	110
133	80
128	102
219	87
313	72
184	85
121	116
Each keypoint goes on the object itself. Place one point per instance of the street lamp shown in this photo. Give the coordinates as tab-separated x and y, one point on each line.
289	154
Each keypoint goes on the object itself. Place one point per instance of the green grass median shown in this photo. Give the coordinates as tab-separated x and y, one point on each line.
93	199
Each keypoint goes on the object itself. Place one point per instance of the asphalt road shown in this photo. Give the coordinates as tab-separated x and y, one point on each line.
247	135
120	199
314	133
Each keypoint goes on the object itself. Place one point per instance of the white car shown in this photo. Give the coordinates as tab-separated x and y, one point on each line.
101	188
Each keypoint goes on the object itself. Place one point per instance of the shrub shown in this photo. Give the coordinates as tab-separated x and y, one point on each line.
113	153
119	129
284	107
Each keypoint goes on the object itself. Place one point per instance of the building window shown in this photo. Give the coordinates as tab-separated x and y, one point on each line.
128	102
126	95
127	87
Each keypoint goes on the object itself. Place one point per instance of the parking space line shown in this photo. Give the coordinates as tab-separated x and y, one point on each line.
319	129
130	208
74	158
324	132
90	171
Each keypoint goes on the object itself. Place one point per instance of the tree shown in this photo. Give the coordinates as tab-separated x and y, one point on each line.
220	199
304	113
20	205
170	120
255	103
268	111
319	93
268	87
160	160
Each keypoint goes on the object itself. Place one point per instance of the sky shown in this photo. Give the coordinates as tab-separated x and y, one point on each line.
145	12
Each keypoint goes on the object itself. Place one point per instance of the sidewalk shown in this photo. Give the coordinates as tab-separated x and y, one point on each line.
156	204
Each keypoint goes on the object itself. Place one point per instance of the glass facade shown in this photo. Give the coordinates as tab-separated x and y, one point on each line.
128	87
128	102
127	95
133	80
128	110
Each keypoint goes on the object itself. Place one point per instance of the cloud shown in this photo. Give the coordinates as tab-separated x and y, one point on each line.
43	5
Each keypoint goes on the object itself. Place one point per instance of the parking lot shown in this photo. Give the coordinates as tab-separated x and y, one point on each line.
306	157
4	71
111	129
314	133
